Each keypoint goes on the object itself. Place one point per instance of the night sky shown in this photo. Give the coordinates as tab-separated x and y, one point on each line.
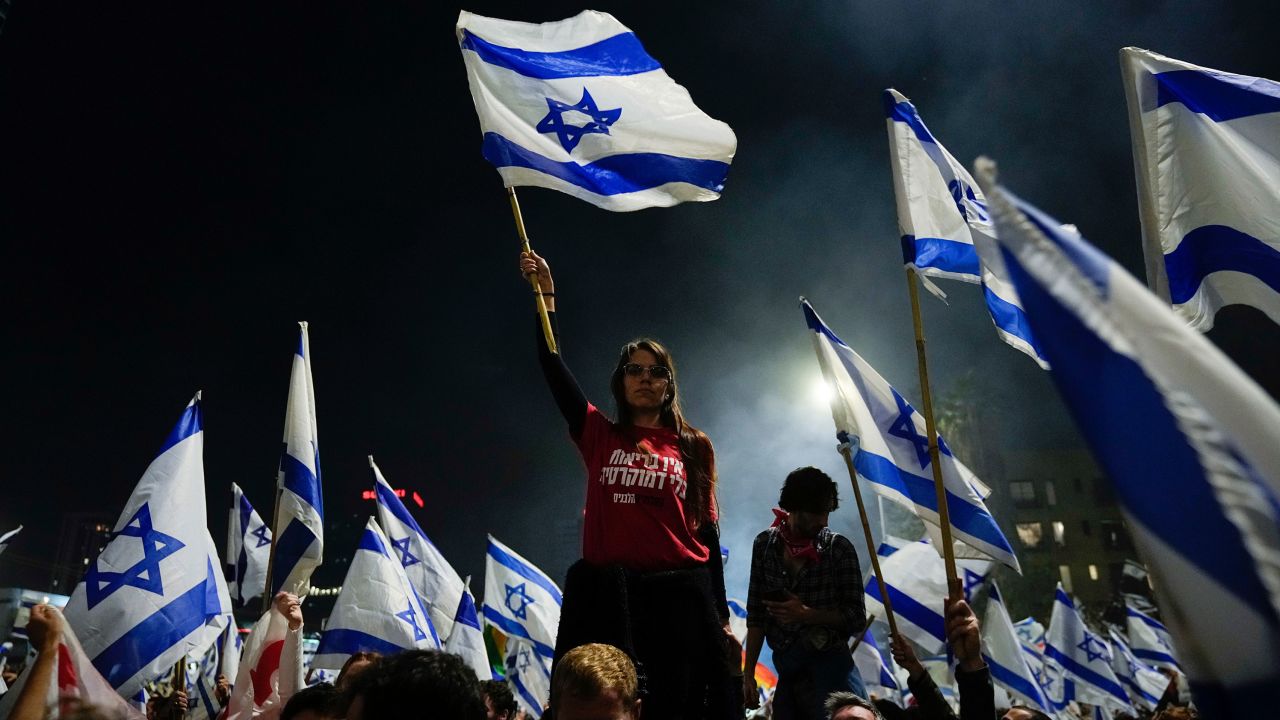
180	183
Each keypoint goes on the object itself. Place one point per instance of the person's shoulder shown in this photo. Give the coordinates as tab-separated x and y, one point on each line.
836	541
765	536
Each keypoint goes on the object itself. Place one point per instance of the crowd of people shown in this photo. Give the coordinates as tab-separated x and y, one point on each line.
644	627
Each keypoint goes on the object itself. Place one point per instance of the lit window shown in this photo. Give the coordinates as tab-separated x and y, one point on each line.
1093	572
1059	533
1064	572
1050	496
1023	493
86	561
1031	534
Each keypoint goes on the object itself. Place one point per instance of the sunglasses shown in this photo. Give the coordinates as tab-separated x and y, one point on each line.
657	372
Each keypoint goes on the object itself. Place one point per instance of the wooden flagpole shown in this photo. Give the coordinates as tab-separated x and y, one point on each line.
954	587
858	641
179	684
533	277
871	547
271	555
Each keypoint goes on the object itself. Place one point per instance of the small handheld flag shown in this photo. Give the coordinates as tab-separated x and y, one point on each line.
520	600
248	548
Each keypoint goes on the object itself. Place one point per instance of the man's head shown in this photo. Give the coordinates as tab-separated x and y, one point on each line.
416	684
595	682
499	702
356	664
1022	712
809	495
318	702
848	706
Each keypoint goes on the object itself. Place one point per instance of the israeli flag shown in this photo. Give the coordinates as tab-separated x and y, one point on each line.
377	609
435	579
946	229
156	593
1182	433
874	669
579	106
1144	683
248	549
300	544
916	581
467	639
1005	656
5	538
520	600
529	675
1206	149
1151	640
893	452
1083	656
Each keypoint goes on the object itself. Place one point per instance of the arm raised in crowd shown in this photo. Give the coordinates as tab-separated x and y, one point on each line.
44	630
977	700
564	388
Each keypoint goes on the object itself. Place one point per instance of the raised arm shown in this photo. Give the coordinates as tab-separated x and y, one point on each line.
564	388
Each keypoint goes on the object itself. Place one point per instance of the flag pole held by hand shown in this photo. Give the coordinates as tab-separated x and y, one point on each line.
871	547
533	276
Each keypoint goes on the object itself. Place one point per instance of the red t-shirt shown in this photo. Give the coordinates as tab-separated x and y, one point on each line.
636	485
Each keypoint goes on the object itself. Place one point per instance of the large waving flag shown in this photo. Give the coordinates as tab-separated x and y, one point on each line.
435	579
579	106
893	452
1005	656
520	600
1083	656
1149	639
248	549
467	639
156	593
1206	149
1144	683
378	609
5	538
946	230
271	669
1182	433
299	524
916	581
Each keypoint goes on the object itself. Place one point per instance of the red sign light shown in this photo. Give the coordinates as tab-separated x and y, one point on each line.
400	492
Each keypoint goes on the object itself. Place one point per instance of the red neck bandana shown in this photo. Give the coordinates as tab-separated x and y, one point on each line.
796	548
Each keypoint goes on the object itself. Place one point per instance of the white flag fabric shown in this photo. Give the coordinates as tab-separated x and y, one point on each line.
875	669
5	538
299	525
156	592
1005	656
1206	148
529	675
271	669
579	106
917	583
1205	444
1083	656
1150	640
203	672
520	600
377	610
435	579
1144	683
248	549
892	450
946	229
467	639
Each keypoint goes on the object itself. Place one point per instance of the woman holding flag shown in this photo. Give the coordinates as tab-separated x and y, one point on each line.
651	580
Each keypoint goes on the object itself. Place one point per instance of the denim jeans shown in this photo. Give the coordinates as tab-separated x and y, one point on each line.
807	676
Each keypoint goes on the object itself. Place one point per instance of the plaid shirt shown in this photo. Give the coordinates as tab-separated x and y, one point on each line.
834	582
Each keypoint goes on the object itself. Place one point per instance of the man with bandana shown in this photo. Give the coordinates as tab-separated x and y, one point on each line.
805	598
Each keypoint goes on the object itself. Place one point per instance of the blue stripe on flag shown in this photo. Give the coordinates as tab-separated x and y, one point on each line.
299	479
147	640
1133	685
191	422
467	611
613	174
1092	677
1155	655
290	547
388	498
964	517
1211	248
905	112
510	627
910	609
621	54
1011	319
524	571
524	692
345	641
1110	395
1012	680
1218	96
941	254
370	541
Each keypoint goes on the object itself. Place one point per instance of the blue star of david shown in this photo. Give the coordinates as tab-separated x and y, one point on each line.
519	594
402	547
261	534
971	581
522	662
904	427
411	617
571	135
1091	641
144	574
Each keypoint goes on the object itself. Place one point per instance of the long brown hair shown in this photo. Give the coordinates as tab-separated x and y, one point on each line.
695	447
